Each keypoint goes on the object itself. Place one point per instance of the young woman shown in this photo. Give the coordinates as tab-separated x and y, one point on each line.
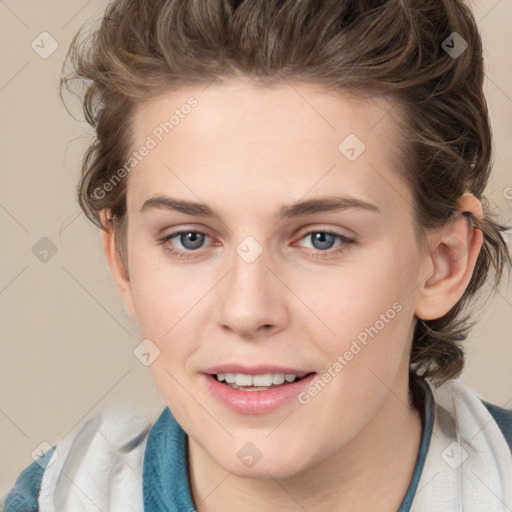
291	202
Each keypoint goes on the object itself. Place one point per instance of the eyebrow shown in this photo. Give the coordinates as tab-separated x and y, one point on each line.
297	209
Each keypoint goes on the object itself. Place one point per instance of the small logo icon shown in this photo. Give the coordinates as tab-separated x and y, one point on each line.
249	250
352	147
41	450
454	45
249	455
44	250
146	352
44	45
454	455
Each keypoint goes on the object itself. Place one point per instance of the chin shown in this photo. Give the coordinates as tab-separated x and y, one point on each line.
273	466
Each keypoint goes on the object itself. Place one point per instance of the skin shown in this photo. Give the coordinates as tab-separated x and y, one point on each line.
246	152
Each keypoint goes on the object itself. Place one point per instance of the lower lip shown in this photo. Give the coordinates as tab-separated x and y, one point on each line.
256	402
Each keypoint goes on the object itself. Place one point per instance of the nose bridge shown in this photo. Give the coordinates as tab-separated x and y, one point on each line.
250	295
249	275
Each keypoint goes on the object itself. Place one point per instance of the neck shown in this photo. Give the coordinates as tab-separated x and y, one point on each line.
373	472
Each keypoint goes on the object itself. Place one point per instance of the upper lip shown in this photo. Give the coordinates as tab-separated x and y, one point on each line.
255	369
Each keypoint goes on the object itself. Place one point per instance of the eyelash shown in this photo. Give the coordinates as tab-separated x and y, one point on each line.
318	254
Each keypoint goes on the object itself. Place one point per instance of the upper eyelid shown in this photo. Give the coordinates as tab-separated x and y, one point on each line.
300	236
304	232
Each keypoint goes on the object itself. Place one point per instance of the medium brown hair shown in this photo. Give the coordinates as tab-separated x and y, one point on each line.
390	48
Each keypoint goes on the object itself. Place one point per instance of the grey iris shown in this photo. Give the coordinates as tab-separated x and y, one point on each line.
191	240
322	240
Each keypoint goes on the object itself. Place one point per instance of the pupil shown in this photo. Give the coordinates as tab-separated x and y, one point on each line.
191	240
325	240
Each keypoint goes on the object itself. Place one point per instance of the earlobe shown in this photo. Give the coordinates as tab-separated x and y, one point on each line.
115	262
453	255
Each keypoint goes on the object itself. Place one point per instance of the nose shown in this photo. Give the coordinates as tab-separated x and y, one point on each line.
251	299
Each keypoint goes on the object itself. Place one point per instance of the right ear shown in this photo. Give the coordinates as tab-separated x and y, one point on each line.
116	264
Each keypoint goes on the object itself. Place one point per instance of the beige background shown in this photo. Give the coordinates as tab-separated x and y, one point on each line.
67	341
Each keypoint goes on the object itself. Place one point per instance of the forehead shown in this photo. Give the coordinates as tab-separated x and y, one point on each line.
234	139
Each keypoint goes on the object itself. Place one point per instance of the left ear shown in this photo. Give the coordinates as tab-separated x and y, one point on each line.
453	253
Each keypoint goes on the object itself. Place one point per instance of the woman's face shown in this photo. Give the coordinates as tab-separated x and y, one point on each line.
282	282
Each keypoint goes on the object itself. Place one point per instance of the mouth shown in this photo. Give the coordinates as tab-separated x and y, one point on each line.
257	391
259	382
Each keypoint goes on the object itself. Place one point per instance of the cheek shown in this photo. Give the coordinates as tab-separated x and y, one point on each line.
167	303
162	297
366	314
350	303
366	345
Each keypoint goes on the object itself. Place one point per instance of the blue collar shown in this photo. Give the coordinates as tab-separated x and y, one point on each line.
165	482
424	396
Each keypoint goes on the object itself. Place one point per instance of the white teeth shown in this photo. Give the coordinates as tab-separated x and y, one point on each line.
263	380
243	380
278	378
230	378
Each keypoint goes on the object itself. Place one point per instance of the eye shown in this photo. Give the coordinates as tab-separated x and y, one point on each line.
190	241
324	241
